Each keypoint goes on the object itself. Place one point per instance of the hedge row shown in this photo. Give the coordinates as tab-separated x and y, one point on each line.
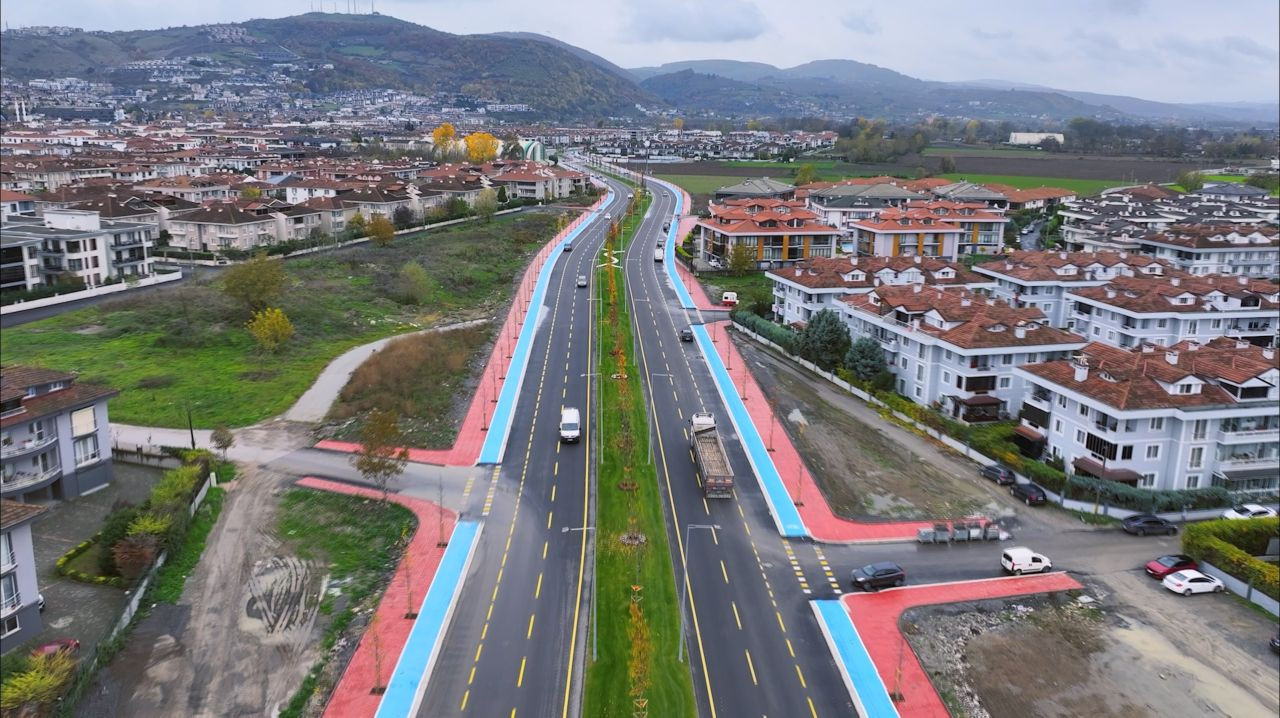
63	566
1232	545
780	335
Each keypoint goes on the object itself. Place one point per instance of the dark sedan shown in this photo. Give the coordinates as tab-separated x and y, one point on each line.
1172	563
1143	524
1030	494
999	474
879	575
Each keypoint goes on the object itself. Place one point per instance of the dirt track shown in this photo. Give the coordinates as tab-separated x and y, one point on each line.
241	639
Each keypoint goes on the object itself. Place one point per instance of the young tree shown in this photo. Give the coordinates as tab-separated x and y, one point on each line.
1190	180
806	174
270	328
948	164
251	192
223	439
481	147
502	194
403	217
414	285
865	358
486	204
381	231
443	138
380	458
256	283
824	340
741	260
356	225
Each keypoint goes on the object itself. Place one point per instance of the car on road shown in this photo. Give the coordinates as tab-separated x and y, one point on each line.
878	575
608	216
729	299
61	645
1191	581
1020	559
1030	494
1143	524
657	254
666	227
570	425
999	474
1170	563
582	280
568	246
686	334
1248	511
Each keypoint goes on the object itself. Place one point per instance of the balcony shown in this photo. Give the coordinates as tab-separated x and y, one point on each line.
1248	436
19	480
8	560
26	446
130	259
1244	461
9	604
124	242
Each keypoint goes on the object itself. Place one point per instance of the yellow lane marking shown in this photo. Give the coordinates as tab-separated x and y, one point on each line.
781	625
751	667
812	711
549	515
465	694
790	650
553	493
537	591
520	678
484	633
472	678
736	618
479	648
724	571
800	675
544	550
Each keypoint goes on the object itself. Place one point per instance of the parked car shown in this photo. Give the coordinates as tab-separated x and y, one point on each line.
1030	494
686	334
40	600
1170	563
1020	559
1248	511
999	474
61	645
1275	643
1143	524
879	575
729	299
1191	581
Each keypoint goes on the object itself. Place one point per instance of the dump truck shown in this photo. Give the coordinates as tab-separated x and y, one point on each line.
708	452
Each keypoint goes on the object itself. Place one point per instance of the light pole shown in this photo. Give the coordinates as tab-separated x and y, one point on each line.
684	585
594	632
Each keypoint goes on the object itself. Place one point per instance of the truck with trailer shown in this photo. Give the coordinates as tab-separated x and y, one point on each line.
710	456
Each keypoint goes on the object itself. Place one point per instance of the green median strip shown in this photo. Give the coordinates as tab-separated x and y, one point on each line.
637	670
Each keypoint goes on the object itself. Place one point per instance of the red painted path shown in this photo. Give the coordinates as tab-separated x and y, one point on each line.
471	433
818	517
876	616
388	635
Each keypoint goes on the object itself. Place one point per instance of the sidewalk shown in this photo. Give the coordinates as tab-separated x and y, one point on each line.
475	424
389	630
875	618
822	524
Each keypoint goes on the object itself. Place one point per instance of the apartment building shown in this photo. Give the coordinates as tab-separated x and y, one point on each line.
778	232
907	233
1130	310
1042	279
843	204
19	590
981	227
954	349
19	261
81	244
55	439
1185	416
818	283
1251	250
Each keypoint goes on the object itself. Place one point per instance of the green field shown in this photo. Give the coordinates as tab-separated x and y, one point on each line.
788	167
188	346
637	608
1083	187
702	184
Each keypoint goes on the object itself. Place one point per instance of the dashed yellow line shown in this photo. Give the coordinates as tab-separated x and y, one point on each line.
537	591
736	618
751	667
520	678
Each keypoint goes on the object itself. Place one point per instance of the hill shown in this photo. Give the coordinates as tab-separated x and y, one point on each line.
366	51
715	93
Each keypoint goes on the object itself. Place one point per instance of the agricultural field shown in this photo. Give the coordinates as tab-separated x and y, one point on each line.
981	152
1082	187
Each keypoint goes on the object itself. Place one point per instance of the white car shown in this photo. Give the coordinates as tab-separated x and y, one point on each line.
1189	582
1020	559
1248	511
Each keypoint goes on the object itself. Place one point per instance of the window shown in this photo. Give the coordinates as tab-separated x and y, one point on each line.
919	393
1185	388
1126	452
1193	481
1198	428
86	448
903	362
1006	382
920	372
6	548
9	597
1084	410
1153	451
9	625
1057	426
946	377
1157	423
1062	400
1197	457
1162	323
1148	481
1080	436
83	422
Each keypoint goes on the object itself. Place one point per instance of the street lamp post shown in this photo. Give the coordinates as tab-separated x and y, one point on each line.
684	585
594	578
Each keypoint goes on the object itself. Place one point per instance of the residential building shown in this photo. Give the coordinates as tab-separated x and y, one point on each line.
843	204
1041	279
14	204
375	201
907	233
55	439
981	227
1130	310
19	262
334	214
1230	191
1185	416
969	192
777	232
19	589
756	188
533	180
955	349
82	245
1251	250
818	283
223	226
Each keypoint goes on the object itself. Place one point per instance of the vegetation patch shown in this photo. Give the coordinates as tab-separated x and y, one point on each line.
359	541
1233	545
334	301
1082	187
172	577
638	612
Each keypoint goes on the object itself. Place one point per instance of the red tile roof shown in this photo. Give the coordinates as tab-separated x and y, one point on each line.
13	513
833	272
1042	266
1156	294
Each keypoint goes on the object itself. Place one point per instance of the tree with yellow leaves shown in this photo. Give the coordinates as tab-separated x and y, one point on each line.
443	138
382	231
270	328
481	147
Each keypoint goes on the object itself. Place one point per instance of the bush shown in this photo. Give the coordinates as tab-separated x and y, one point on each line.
780	335
1232	545
115	528
1132	497
41	683
151	524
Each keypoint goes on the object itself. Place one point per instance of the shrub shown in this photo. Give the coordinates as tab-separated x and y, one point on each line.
176	488
270	328
149	524
1132	497
780	335
1231	546
133	554
41	683
116	527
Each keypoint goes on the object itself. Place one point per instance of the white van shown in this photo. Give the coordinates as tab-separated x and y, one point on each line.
657	254
570	424
1020	559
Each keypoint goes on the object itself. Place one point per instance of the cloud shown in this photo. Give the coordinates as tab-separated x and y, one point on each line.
704	21
861	22
981	34
1248	48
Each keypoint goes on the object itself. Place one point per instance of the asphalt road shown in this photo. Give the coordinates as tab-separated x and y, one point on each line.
516	642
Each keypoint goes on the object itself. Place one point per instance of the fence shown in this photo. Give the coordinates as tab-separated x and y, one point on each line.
1242	589
157	278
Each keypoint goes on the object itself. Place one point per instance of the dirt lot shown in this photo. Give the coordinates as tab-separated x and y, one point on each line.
1051	656
241	639
866	466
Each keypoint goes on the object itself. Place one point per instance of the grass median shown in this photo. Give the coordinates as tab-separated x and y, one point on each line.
638	616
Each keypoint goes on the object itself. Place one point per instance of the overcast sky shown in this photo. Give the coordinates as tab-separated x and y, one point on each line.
1170	50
